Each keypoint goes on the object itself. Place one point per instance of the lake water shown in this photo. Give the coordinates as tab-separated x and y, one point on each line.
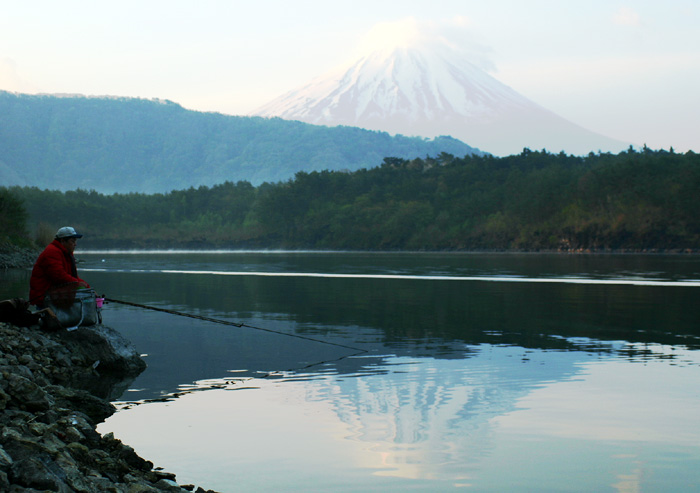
420	372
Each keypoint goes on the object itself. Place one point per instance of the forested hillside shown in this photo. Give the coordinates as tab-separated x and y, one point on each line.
531	201
135	145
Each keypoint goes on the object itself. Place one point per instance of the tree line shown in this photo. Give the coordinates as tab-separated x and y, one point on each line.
536	200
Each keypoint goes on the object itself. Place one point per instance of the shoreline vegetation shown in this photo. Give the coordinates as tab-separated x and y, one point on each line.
55	389
634	201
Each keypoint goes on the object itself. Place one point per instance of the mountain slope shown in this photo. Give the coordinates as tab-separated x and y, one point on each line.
134	145
430	90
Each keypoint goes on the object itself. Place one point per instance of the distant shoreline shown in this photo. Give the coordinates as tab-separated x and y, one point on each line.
24	258
214	251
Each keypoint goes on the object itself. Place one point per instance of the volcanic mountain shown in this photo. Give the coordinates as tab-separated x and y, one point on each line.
430	90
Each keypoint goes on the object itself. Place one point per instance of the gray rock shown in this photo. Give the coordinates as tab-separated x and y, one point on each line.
30	395
39	472
4	399
105	349
5	459
96	409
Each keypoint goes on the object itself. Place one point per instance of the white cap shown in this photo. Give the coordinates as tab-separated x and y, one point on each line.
67	232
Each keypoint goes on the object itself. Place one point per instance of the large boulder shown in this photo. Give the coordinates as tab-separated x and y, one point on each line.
104	348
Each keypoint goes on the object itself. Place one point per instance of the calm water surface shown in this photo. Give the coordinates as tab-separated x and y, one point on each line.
421	372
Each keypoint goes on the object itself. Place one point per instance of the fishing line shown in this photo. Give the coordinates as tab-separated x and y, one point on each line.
232	324
128	405
228	382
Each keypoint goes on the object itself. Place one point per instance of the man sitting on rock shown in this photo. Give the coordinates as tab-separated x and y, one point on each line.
55	268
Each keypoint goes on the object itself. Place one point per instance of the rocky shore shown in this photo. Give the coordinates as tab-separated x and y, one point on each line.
55	388
13	257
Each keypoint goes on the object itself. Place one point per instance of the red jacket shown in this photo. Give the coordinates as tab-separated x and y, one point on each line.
55	267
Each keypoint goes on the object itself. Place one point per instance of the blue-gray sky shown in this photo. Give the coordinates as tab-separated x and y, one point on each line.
626	69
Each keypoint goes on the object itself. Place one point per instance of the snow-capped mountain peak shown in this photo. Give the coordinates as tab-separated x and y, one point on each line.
428	88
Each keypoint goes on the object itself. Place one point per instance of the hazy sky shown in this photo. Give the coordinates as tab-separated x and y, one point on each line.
626	69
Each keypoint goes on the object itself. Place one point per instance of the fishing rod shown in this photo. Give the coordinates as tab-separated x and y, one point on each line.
128	405
229	323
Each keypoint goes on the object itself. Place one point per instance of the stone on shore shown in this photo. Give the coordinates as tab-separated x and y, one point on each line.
14	257
55	389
